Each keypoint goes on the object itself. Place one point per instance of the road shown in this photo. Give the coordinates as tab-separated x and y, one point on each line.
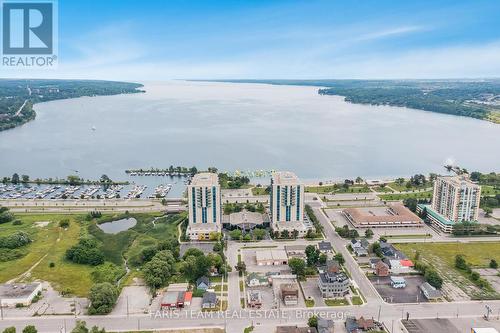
236	318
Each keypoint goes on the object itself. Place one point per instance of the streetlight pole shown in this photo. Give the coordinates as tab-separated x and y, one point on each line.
378	317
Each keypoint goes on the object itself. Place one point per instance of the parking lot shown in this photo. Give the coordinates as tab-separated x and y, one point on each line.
311	291
269	301
410	294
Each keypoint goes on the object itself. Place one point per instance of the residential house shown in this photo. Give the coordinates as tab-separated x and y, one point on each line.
354	325
374	261
289	294
325	325
333	285
203	283
360	247
430	292
209	300
257	280
381	268
295	329
254	299
325	247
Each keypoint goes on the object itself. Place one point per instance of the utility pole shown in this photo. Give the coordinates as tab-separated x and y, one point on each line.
127	307
1	308
378	317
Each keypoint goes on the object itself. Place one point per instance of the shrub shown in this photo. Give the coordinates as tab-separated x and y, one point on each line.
64	223
15	240
102	298
85	252
52	264
17	222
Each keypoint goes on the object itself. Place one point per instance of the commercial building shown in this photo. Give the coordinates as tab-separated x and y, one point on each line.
289	294
287	203
204	205
393	216
455	199
430	292
333	284
325	247
12	294
254	299
271	257
296	251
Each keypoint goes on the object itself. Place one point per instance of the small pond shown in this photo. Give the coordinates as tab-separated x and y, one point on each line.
117	226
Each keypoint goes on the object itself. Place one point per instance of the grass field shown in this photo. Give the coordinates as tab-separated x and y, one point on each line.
402	196
441	256
403	188
381	189
336	302
478	254
50	243
259	191
488	190
325	189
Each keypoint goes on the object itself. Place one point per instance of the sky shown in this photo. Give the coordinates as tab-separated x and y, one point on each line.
335	39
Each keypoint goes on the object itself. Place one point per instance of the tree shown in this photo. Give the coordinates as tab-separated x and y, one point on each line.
285	234
192	251
159	269
295	233
493	264
411	203
259	233
235	234
359	180
102	298
30	329
15	179
25	178
433	278
313	321
312	255
322	258
81	327
85	252
241	266
339	258
11	329
487	211
298	266
368	233
460	262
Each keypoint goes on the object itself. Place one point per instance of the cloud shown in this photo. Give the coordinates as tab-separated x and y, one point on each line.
396	31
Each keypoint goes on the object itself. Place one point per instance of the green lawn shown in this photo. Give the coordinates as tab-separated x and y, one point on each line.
402	196
488	190
309	303
259	191
403	188
336	302
325	189
356	300
381	189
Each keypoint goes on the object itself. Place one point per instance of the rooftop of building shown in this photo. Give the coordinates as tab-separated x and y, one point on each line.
17	290
459	180
271	254
205	179
393	213
285	178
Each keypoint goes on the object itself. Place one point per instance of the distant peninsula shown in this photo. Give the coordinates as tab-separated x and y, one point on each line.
17	96
478	99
